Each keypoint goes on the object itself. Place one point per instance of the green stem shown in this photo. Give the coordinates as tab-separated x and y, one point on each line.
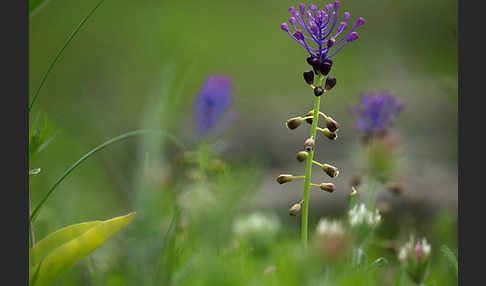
308	170
60	52
107	143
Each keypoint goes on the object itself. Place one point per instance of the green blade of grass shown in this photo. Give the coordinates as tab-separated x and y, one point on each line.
450	257
107	143
60	52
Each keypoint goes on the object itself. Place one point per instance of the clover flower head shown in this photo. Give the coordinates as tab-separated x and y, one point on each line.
318	30
415	256
375	113
362	222
214	98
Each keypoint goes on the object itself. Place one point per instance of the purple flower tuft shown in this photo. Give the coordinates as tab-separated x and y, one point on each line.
318	26
214	98
375	113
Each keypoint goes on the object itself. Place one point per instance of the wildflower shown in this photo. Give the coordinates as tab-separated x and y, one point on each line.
362	223
214	98
257	230
416	256
375	113
320	33
332	239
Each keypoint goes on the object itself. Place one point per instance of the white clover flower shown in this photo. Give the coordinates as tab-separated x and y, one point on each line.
416	256
362	222
332	239
257	229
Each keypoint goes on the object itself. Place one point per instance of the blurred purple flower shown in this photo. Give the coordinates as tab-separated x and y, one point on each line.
319	25
375	113
214	98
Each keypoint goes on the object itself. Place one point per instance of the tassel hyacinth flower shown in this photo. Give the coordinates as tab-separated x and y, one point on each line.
319	31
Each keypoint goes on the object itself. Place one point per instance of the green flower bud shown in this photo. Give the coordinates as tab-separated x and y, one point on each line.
330	170
302	156
328	187
329	134
284	178
331	124
295	122
309	145
362	223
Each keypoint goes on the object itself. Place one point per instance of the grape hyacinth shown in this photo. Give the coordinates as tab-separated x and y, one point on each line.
214	98
375	113
319	25
322	39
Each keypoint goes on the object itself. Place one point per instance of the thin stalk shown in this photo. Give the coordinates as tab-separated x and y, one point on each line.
31	227
60	52
107	143
308	170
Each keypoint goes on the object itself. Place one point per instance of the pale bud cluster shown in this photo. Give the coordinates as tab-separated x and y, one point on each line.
362	223
416	256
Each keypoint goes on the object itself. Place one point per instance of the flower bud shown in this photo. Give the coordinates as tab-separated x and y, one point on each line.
315	63
416	257
309	145
294	210
325	68
328	187
310	113
302	156
318	91
309	77
352	37
330	170
284	27
330	83
284	178
331	124
295	122
362	223
329	134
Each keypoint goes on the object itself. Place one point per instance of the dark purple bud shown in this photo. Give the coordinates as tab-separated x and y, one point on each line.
309	77
328	61
325	68
318	91
330	82
316	64
352	37
314	29
360	22
299	35
284	27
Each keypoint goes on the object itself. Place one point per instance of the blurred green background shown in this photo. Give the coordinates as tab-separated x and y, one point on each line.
139	64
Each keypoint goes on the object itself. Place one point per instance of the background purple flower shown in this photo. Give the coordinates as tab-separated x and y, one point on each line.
214	98
375	113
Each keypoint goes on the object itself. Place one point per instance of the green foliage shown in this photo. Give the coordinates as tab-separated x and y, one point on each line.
449	255
61	250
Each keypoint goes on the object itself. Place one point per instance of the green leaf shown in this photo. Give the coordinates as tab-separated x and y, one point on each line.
450	256
35	5
34	172
62	249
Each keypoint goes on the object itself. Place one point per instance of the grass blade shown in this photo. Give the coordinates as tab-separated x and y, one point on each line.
60	51
106	144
